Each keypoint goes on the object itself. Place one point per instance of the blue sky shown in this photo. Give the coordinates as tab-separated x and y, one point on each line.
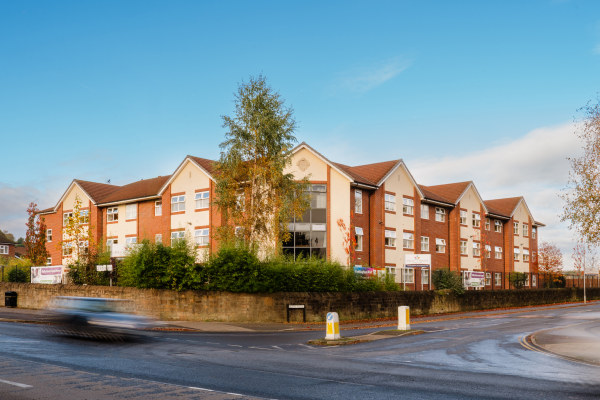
123	90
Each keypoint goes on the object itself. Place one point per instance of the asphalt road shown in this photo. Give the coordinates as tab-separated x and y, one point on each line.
480	357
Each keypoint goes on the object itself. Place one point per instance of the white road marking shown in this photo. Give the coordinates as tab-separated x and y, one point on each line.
21	385
234	345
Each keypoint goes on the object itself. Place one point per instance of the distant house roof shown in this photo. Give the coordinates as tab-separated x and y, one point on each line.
4	239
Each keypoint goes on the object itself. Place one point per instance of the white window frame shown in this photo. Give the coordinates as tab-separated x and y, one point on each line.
497	278
408	240
533	232
112	214
130	241
425	243
408	206
131	211
525	230
488	279
440	214
488	251
66	217
464	248
158	238
476	219
358	201
178	203
202	200
488	224
158	208
516	253
463	217
424	211
177	235
49	261
390	238
4	249
440	245
497	226
498	252
533	280
390	270
516	228
476	249
202	237
358	237
525	255
48	235
390	202
408	275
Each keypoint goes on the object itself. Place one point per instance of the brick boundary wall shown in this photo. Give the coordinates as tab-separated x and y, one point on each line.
240	307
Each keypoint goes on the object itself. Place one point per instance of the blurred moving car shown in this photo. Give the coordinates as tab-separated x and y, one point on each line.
99	318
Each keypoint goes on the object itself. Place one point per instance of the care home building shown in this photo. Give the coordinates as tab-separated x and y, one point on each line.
388	213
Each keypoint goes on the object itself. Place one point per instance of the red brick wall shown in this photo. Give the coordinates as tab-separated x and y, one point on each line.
149	225
533	248
362	220
434	230
54	221
376	227
508	247
454	238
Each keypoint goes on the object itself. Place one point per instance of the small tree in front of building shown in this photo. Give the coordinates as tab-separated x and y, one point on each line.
35	237
255	196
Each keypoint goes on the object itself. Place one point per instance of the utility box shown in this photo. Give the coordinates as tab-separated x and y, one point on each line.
10	299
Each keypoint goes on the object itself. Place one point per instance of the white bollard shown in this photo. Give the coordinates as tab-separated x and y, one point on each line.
333	326
403	318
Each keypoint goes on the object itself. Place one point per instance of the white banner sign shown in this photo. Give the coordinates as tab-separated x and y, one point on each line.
474	279
417	260
48	275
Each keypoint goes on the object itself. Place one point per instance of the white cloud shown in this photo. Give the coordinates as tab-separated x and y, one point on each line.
534	166
363	79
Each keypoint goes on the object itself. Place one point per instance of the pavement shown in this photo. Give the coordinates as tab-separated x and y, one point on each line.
577	341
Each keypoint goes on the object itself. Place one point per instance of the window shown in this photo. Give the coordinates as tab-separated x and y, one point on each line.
488	278
527	280
463	247
408	240
130	241
488	224
476	218
48	235
525	230
67	217
497	278
358	201
498	251
112	214
440	214
533	280
497	226
240	201
408	206
526	255
516	254
533	232
177	235
390	271
424	243
158	238
476	249
390	202
440	245
109	245
308	233
67	249
488	251
390	238
425	276
533	256
3	249
49	261
516	228
463	217
158	208
358	237
177	203
202	200
85	216
424	211
409	275
131	211
201	237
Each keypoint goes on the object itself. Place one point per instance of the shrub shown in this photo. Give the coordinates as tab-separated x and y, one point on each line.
517	279
16	274
446	279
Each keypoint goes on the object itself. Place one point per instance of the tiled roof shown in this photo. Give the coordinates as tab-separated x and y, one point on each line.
374	172
208	165
448	193
4	239
97	191
136	190
504	207
354	175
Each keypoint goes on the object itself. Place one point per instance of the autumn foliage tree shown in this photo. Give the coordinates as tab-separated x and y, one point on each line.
550	258
35	238
255	196
582	198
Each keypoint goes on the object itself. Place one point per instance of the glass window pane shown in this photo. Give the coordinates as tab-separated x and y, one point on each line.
302	239
317	239
319	216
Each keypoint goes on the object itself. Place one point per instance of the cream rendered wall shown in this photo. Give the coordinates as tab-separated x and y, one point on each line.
521	215
470	202
339	187
68	205
190	179
305	164
122	228
399	182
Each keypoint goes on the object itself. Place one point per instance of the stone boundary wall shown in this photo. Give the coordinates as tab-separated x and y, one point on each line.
272	307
